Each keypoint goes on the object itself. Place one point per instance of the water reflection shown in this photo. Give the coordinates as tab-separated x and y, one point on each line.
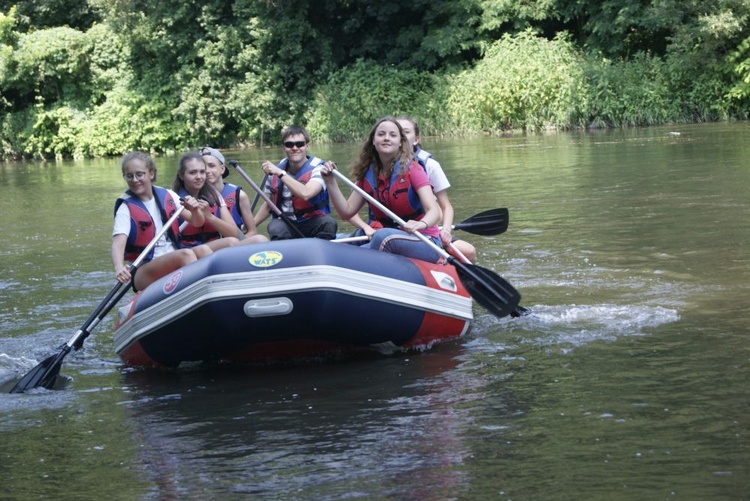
369	425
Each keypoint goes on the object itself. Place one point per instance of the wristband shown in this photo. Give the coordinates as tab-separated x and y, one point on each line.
282	174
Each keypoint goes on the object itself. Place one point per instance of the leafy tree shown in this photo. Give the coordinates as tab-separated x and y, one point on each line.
38	14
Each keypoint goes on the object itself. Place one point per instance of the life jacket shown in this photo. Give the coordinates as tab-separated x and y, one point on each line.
192	236
303	209
421	157
399	196
231	194
142	228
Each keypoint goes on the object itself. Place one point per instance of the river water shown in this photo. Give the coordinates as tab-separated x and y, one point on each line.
630	380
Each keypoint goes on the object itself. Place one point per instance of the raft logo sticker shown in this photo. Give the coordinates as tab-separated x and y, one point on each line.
171	284
265	259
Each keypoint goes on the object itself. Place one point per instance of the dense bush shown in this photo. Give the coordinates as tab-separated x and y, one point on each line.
351	101
522	82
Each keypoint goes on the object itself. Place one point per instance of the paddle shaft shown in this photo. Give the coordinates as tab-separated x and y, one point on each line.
385	210
45	373
257	195
292	225
346	240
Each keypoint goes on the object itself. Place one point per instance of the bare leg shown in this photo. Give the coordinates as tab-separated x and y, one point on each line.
222	243
254	239
162	265
202	250
466	249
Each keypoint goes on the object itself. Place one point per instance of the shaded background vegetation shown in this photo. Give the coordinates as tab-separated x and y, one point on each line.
99	77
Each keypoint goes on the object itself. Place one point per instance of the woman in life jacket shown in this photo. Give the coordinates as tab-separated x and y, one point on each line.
387	171
238	204
218	230
440	185
140	213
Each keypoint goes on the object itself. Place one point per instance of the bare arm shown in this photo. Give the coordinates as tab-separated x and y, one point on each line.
247	214
224	224
117	252
445	205
358	222
262	214
431	209
346	208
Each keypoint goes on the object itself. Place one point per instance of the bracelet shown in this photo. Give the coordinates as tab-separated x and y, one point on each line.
425	224
282	174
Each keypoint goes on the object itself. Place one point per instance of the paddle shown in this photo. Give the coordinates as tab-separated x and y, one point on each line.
292	225
46	372
347	240
257	195
487	288
489	222
518	311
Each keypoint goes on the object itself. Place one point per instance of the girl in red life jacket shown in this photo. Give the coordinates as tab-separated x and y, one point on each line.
440	185
139	215
386	170
218	229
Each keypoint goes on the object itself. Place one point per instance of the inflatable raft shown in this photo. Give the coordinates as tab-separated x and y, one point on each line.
291	299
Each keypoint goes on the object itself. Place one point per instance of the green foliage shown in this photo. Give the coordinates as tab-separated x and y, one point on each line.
740	89
352	99
7	26
629	93
36	14
99	77
50	65
523	82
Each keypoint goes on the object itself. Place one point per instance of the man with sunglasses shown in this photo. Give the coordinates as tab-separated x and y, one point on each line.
297	188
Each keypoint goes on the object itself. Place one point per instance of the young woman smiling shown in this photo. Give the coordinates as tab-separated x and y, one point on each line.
387	171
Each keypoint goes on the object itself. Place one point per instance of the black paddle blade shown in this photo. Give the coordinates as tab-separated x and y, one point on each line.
490	290
44	374
487	223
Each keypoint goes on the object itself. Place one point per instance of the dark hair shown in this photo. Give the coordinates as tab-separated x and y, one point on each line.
206	190
415	125
143	157
293	130
369	155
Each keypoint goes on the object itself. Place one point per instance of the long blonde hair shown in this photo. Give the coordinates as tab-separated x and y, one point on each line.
369	155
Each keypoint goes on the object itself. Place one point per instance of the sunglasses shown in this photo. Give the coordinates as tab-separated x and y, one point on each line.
292	144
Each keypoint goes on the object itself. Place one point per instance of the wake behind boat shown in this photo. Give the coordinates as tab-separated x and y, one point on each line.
291	299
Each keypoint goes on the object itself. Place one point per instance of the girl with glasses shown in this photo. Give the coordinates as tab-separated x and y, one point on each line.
140	213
